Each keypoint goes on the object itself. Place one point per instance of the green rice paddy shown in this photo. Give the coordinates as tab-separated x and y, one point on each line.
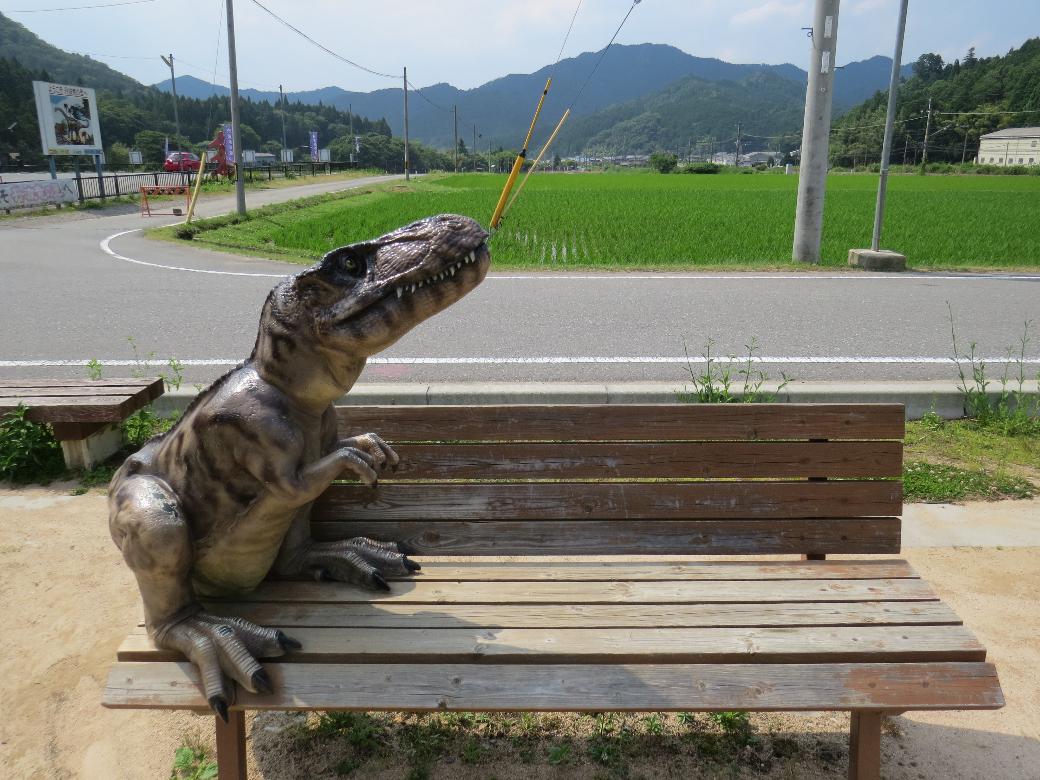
643	220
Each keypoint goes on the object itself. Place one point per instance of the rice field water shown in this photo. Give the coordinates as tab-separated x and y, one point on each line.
649	220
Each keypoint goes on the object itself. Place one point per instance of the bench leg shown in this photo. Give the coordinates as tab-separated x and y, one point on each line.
95	448
231	746
865	746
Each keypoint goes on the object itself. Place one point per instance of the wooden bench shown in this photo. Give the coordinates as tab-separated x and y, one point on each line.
84	413
628	632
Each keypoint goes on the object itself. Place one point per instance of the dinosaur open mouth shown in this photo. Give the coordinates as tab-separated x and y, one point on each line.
478	258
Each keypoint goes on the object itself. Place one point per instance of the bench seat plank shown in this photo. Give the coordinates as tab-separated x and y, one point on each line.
636	422
79	401
803	644
609	500
879	536
575	688
385	615
579	592
649	460
622	570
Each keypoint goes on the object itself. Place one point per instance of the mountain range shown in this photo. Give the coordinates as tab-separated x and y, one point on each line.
644	72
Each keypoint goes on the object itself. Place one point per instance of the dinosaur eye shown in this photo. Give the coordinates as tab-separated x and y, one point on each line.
349	264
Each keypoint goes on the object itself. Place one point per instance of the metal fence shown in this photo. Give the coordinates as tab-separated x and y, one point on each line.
110	185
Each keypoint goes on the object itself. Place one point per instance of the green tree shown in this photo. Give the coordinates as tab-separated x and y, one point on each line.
663	162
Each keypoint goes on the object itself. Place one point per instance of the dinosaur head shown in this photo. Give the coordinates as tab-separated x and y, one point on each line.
359	299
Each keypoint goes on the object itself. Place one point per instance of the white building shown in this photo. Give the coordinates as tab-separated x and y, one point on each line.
1013	146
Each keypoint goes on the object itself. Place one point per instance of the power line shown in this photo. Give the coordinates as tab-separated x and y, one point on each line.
324	48
984	113
568	35
80	7
603	53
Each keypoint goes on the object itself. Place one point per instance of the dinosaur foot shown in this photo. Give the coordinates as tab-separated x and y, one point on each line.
359	561
229	646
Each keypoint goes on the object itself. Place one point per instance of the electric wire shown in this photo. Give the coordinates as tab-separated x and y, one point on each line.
568	35
603	53
80	7
324	48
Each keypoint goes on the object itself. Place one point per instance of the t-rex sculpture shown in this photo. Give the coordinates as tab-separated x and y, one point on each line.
223	498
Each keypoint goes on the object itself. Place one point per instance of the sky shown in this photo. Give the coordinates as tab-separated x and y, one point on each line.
469	42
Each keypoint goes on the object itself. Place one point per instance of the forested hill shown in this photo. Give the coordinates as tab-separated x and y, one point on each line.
133	115
986	86
693	110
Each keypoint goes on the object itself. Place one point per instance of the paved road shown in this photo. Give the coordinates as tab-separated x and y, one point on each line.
65	298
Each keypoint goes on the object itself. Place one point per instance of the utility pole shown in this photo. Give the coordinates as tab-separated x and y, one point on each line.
350	116
236	135
455	114
906	144
964	151
475	149
816	129
407	172
489	158
281	96
927	129
176	119
890	118
738	147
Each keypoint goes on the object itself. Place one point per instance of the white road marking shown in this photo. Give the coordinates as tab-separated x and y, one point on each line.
546	360
106	247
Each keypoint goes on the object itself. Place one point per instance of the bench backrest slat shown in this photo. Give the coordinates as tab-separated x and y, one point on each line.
659	479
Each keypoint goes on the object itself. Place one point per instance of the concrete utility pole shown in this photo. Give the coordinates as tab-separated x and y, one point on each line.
236	135
964	150
176	119
816	129
455	115
890	118
737	158
475	149
927	130
281	101
407	172
353	138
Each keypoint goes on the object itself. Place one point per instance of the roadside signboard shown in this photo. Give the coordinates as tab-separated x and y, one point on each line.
287	155
248	156
68	119
26	194
136	157
324	155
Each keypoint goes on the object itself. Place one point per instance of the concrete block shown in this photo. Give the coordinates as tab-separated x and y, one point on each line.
96	448
881	260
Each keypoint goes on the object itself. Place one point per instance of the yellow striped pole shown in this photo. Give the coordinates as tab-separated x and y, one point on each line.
537	160
519	162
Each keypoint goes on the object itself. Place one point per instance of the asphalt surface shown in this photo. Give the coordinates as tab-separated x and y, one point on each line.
63	297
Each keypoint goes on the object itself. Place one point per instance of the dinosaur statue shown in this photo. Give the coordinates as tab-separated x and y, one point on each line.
223	498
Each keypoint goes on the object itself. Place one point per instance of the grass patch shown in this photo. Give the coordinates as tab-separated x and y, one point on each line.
956	460
646	220
607	744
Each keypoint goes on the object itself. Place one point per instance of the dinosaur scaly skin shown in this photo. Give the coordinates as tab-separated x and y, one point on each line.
223	498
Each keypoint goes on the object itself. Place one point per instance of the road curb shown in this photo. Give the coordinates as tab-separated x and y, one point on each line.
919	397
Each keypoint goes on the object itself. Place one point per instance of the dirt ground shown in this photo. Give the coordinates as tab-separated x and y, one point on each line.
68	600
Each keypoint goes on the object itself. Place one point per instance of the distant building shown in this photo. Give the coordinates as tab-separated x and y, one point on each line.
1013	146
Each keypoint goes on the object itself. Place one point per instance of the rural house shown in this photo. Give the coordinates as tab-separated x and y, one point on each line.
1012	146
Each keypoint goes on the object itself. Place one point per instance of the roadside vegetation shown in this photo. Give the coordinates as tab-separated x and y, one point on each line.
643	220
607	744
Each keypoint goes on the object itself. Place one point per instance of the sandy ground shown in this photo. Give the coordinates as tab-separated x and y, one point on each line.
68	600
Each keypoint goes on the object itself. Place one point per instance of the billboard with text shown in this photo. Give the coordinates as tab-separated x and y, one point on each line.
68	117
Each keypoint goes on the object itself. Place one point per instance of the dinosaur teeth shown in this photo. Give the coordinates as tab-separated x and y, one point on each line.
413	289
472	256
400	292
452	270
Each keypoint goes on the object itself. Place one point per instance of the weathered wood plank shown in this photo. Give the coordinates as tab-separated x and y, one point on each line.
622	570
609	501
878	536
646	460
231	746
600	422
89	404
104	391
865	746
418	591
576	688
135	382
804	644
392	616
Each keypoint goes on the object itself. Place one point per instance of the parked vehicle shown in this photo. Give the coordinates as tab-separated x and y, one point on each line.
181	161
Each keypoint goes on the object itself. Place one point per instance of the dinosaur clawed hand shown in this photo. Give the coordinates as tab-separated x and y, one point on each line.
229	646
359	561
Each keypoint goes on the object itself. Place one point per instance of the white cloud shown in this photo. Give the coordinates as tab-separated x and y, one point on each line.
771	9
